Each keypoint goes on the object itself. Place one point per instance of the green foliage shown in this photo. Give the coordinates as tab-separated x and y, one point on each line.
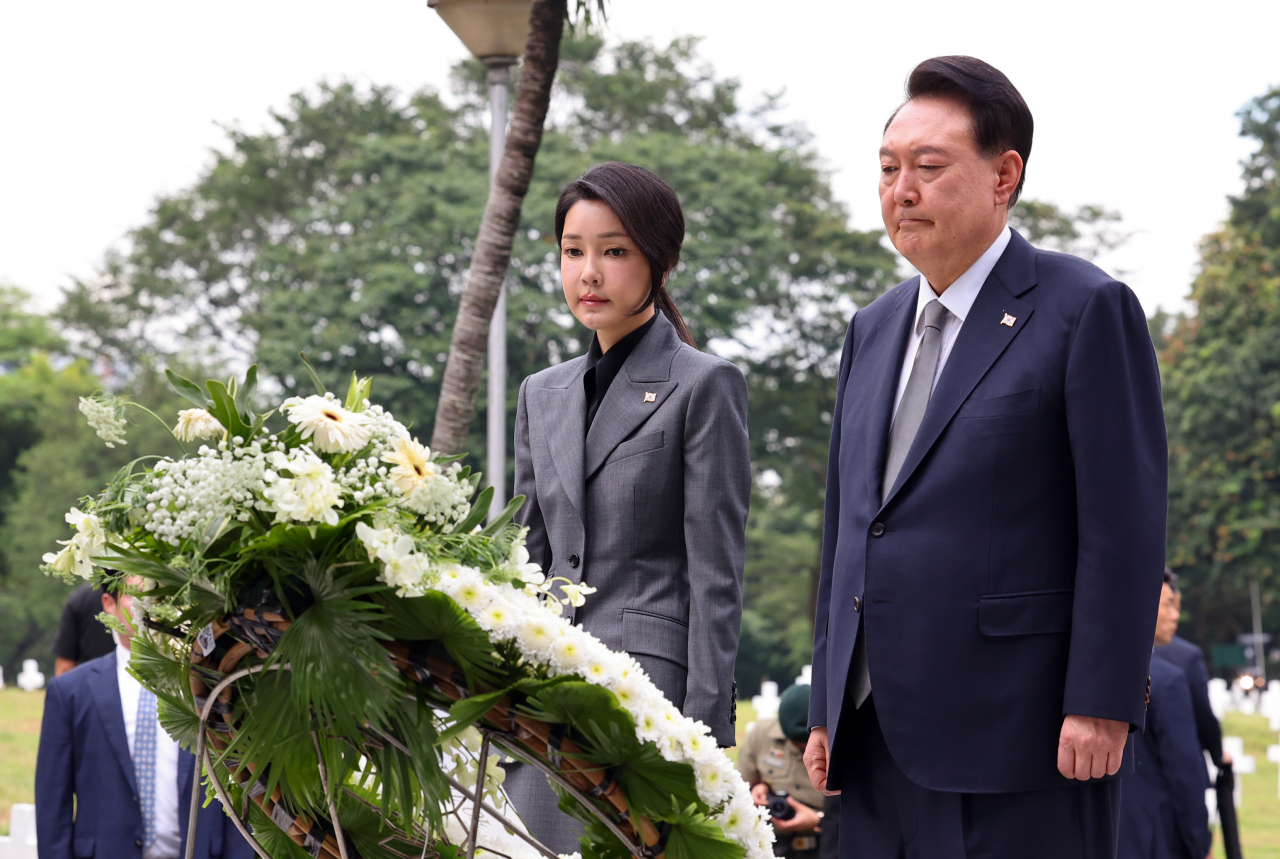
1088	232
49	459
1222	404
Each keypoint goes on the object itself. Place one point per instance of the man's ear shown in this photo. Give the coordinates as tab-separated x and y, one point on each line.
1008	175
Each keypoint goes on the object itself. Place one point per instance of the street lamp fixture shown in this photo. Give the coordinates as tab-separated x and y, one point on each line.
495	32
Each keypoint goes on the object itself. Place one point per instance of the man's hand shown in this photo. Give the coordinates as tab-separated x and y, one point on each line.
760	792
815	760
1089	747
806	818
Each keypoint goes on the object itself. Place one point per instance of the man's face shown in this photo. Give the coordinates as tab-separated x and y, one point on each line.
122	609
939	196
1167	619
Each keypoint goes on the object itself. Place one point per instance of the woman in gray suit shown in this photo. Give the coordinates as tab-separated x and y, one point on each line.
635	464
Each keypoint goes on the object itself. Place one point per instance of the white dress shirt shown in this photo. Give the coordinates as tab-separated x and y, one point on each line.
168	836
957	298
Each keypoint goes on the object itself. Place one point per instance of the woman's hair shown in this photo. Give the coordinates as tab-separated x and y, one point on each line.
649	211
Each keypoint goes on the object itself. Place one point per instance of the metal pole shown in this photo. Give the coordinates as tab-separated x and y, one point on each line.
496	467
1259	648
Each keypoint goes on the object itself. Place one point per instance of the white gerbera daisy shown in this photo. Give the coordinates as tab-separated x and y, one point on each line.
196	424
412	462
330	427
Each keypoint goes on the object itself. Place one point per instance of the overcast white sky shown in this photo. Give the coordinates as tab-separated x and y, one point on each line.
105	105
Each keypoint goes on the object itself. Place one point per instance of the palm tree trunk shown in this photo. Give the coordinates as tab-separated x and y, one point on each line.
501	219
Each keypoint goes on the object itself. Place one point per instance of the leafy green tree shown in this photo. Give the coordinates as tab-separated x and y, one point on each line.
1222	404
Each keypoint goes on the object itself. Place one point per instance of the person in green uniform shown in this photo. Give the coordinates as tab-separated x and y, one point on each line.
771	760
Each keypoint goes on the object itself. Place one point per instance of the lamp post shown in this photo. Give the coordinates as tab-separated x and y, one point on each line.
495	31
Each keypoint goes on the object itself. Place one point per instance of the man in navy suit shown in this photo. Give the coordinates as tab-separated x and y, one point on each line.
1173	648
1164	813
109	781
995	514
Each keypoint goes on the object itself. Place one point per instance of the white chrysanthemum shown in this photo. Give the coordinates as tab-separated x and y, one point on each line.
106	416
329	427
309	494
196	424
715	784
567	653
412	462
537	635
498	620
600	667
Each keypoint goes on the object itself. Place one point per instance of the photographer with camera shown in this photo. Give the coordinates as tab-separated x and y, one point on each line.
771	760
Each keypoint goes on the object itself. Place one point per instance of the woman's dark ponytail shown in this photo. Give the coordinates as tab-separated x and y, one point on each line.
650	212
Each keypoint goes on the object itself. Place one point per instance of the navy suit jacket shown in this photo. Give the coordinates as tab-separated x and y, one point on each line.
1013	574
84	753
1162	808
1190	659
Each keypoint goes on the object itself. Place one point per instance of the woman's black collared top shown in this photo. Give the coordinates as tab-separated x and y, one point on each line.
602	367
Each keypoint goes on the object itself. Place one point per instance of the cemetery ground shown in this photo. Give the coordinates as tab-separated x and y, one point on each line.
1259	818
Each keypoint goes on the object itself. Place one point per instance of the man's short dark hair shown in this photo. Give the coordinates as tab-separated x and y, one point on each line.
1171	579
1001	119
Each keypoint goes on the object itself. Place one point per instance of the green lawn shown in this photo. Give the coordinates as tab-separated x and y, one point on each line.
1259	818
1260	814
19	734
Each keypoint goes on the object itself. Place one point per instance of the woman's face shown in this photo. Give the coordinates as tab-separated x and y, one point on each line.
606	278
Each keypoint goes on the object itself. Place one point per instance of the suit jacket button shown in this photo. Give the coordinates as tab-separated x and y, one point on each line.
877	529
857	603
574	560
137	842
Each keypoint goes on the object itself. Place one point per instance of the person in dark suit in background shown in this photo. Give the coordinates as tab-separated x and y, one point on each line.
81	636
995	514
1173	648
1163	814
109	781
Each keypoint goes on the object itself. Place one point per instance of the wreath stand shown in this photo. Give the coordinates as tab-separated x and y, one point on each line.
541	745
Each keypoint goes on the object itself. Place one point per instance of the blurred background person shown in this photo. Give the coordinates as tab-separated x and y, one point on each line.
81	636
1172	647
109	781
1162	809
772	762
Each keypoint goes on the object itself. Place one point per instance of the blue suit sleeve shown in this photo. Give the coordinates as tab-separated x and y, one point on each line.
1175	740
831	529
1115	421
55	777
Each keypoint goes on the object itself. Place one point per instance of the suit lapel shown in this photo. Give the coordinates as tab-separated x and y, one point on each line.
105	689
983	338
561	416
882	379
627	405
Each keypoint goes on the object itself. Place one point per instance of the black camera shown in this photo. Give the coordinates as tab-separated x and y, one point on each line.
779	807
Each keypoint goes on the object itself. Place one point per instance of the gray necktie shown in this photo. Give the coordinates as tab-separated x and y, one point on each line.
915	399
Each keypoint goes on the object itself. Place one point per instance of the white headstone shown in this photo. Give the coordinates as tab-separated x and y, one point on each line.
766	703
806	676
31	678
1219	696
20	843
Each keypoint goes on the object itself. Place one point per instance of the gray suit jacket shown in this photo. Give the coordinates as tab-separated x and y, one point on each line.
650	508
